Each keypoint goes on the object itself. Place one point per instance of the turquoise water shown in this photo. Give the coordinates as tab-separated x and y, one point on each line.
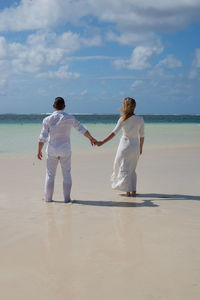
23	138
98	119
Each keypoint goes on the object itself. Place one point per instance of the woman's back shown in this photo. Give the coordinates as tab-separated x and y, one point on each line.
133	127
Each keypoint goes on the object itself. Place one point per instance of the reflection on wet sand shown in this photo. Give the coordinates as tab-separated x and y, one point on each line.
59	248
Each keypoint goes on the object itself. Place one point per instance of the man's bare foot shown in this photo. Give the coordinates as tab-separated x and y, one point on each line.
128	194
46	200
68	200
133	194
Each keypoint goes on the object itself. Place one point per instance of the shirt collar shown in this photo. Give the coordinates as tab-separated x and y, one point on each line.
58	111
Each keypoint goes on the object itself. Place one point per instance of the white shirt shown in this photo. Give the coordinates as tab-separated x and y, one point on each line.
133	127
56	130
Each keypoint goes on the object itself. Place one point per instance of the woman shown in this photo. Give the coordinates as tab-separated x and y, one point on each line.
129	149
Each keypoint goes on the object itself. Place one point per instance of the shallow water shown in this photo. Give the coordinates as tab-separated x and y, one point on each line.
23	138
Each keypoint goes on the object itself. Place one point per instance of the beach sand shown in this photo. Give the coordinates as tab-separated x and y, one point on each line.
103	245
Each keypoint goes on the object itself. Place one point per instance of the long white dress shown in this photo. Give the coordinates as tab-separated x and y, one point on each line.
124	177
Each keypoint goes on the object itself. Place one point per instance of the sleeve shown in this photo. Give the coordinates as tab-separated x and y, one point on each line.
44	132
117	127
141	130
78	126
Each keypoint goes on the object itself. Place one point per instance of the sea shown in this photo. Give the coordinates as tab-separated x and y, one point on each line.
19	132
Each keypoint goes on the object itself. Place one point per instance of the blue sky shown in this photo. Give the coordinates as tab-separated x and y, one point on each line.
94	53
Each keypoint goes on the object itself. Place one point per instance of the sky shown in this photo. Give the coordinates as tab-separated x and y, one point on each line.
94	53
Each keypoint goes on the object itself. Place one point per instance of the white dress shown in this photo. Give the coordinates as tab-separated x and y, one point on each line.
124	176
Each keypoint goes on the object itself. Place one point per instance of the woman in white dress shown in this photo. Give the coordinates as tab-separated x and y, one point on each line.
130	148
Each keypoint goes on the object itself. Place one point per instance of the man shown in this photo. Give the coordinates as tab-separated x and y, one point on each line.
56	129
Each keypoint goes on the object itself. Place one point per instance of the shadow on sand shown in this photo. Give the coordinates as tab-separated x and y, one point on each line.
145	203
148	203
168	196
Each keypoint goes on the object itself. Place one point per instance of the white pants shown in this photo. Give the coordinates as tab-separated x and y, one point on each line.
52	163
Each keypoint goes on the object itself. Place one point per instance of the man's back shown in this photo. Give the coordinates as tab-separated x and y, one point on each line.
57	129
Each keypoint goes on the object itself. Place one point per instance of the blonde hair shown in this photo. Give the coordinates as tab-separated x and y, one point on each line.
128	108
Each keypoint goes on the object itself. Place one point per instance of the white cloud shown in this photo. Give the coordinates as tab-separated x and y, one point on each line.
68	41
132	22
196	60
2	83
3	47
41	14
170	62
84	92
41	50
195	64
121	63
151	15
139	59
135	38
136	83
128	15
4	71
61	73
141	55
89	42
92	57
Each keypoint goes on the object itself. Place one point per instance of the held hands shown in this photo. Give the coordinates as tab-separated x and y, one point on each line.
99	143
94	142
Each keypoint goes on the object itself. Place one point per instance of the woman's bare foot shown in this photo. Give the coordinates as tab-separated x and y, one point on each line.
128	194
133	194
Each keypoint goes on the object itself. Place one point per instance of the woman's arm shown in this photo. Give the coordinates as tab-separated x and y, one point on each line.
141	133
112	134
108	138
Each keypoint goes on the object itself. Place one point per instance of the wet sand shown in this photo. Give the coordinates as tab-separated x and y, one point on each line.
103	245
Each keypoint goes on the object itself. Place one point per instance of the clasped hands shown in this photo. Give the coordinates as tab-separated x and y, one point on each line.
94	142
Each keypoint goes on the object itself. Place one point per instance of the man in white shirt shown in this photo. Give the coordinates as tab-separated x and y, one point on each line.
56	130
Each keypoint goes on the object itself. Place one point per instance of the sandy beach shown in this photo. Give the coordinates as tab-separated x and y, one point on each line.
103	245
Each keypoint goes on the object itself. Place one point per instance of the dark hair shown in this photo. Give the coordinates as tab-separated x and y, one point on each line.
59	103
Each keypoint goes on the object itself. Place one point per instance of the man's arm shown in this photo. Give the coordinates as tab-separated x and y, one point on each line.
141	144
42	138
40	146
93	141
83	130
